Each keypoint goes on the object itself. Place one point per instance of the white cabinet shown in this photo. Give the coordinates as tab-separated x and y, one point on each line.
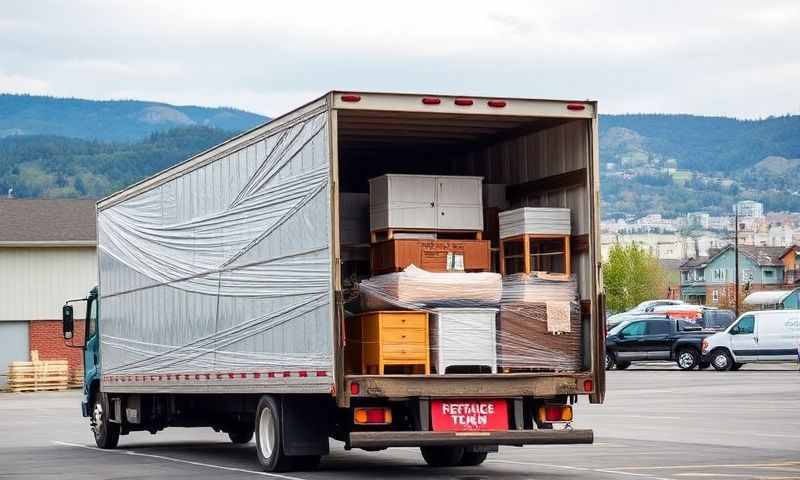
426	202
463	337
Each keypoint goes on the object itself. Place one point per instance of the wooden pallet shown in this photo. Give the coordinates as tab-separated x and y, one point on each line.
75	378
38	375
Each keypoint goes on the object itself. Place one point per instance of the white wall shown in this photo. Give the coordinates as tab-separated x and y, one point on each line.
35	282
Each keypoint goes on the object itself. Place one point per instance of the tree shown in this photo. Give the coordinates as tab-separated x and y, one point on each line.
632	276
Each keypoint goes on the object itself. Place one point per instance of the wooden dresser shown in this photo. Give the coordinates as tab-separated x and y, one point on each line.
397	339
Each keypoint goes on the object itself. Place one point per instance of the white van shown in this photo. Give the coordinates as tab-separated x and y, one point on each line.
762	336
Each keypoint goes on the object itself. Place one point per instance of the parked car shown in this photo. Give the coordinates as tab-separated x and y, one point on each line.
655	337
755	337
646	306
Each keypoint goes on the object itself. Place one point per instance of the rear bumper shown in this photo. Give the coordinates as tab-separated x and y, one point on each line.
370	440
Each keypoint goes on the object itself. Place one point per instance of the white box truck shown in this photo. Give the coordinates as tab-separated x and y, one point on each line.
222	296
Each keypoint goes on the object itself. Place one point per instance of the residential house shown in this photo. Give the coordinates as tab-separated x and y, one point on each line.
791	265
711	280
47	256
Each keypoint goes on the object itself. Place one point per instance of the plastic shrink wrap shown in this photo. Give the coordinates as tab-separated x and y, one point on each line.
482	322
539	325
225	268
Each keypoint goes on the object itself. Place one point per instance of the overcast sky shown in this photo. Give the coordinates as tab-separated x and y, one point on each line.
708	57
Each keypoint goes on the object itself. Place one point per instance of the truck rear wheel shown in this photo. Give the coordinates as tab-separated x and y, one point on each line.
106	433
471	459
442	456
269	440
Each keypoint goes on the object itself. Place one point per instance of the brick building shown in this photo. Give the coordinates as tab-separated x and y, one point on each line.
47	256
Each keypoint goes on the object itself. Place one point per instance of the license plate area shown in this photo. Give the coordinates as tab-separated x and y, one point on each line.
469	415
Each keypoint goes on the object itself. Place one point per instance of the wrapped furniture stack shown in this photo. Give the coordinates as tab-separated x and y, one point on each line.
432	303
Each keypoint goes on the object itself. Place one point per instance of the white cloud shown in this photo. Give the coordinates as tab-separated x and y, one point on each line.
715	57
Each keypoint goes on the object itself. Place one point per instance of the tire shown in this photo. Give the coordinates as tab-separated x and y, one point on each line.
306	462
269	440
736	366
623	365
687	358
610	361
106	433
703	365
442	456
472	459
721	360
241	435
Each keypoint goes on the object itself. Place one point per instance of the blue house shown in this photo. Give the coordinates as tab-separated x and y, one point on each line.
710	280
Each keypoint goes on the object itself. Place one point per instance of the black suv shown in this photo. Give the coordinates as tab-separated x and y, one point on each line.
655	338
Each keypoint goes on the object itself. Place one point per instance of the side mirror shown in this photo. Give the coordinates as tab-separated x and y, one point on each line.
68	323
620	335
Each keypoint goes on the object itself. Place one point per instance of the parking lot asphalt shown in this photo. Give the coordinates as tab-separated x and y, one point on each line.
657	423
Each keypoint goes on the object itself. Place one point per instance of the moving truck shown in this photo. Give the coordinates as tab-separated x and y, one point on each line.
222	299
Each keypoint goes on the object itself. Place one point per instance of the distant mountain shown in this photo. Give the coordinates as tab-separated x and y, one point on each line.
675	164
52	166
650	163
111	120
700	143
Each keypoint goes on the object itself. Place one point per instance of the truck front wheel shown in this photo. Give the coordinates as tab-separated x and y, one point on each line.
269	440
442	456
241	434
106	433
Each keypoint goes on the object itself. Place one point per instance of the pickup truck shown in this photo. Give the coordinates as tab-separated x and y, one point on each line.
655	338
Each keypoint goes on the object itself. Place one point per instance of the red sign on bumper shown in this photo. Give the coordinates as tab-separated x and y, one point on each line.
469	415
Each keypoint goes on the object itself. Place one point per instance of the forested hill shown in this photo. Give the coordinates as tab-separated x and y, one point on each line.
53	166
699	143
110	120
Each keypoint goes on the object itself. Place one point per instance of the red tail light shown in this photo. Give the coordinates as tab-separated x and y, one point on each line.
355	388
576	107
351	98
496	103
431	100
555	413
374	415
463	102
588	385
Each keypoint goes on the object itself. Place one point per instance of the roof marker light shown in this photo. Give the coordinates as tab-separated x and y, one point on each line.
351	98
431	100
576	107
463	102
496	103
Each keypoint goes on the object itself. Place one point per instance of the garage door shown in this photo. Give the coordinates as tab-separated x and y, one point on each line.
13	346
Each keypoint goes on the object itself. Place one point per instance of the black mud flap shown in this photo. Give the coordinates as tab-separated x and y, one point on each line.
305	425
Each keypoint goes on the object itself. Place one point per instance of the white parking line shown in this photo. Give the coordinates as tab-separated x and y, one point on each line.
582	469
178	460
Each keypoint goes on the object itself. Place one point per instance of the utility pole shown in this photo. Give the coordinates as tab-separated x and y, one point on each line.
736	257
